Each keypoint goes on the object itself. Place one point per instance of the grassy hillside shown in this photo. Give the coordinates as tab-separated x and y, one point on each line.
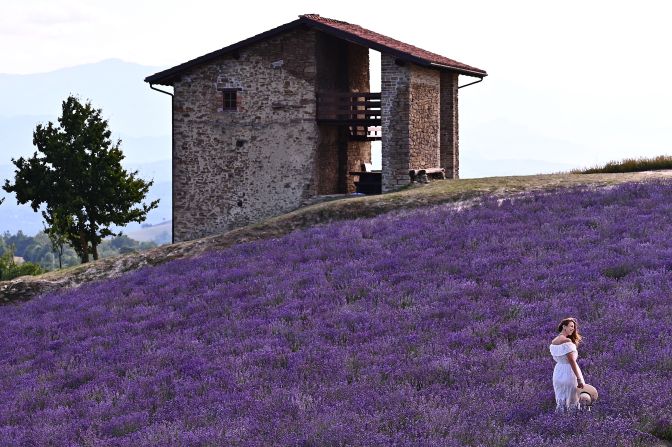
421	326
461	193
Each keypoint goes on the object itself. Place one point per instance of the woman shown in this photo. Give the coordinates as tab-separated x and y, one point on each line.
567	376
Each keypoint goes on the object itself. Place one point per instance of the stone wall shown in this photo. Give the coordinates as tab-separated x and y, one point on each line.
411	110
327	160
450	156
233	168
425	117
394	99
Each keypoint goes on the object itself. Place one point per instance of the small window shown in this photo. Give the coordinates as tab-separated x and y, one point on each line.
230	99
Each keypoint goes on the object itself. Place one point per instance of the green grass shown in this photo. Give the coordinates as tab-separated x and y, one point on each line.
630	165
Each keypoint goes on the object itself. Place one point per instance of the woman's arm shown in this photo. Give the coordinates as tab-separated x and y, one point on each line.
575	367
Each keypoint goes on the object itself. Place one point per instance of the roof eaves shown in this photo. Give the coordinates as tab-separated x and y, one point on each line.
362	41
464	71
167	77
344	35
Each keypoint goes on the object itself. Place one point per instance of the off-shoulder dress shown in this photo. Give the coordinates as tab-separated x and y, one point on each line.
564	380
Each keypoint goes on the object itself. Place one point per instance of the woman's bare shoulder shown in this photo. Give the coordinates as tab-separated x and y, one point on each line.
560	339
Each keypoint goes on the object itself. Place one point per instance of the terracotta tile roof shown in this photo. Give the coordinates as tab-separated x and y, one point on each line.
343	30
384	42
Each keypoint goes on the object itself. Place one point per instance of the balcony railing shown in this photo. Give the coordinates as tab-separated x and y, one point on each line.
349	108
360	111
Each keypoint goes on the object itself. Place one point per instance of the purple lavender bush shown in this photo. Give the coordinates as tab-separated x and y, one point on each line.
427	327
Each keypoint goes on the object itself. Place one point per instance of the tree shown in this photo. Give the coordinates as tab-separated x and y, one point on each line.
78	176
57	235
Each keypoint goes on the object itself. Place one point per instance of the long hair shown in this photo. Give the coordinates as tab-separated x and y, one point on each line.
575	336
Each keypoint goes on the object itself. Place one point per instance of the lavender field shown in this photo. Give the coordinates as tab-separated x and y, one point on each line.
427	327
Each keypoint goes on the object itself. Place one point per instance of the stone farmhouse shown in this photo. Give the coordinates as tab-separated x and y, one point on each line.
265	124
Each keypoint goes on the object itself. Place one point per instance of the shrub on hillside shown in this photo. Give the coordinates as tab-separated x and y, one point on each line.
630	165
9	269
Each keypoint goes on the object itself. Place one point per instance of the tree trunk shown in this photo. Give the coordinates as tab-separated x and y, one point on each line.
83	247
94	250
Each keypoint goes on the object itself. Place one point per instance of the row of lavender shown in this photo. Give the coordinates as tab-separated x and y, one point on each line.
416	328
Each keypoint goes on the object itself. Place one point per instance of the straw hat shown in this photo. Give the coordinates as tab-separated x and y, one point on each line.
590	390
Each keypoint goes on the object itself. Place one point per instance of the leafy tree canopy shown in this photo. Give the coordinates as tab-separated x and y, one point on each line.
76	172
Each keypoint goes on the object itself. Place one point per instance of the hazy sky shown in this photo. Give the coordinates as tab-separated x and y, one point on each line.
592	74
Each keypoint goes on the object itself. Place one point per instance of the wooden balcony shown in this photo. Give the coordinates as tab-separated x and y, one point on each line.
361	112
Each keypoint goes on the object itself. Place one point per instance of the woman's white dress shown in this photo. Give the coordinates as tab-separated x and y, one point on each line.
564	379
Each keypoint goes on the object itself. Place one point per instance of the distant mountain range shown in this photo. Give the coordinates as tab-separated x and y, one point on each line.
159	233
502	147
136	114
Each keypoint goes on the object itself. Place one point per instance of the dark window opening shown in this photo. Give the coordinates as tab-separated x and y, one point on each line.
230	99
